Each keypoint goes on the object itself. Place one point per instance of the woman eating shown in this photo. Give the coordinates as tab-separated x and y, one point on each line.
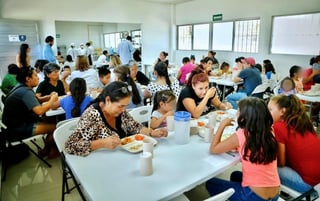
197	98
51	83
106	121
163	82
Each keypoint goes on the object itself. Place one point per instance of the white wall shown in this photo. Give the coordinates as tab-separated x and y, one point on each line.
73	32
154	18
202	11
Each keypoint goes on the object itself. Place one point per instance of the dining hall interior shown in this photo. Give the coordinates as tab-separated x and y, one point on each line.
178	53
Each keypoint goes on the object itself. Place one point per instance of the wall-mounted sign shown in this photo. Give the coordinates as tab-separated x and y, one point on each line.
17	38
217	17
22	38
58	36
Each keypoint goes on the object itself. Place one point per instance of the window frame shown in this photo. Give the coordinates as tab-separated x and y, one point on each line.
191	45
257	40
211	35
272	30
232	40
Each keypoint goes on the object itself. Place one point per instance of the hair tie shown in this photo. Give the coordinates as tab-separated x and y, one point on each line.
128	75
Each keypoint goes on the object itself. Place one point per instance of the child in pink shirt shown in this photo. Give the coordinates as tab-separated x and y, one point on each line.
185	70
257	147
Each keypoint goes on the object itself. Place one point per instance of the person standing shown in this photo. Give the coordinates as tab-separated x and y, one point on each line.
72	51
82	50
90	51
23	58
125	50
48	53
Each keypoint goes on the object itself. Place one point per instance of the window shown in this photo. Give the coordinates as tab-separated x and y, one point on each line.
111	40
201	36
246	36
222	36
296	34
136	38
184	37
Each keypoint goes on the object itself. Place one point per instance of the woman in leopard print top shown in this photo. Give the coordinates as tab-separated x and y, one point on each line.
106	121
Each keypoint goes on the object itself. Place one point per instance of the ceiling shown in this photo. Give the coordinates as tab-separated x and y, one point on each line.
169	1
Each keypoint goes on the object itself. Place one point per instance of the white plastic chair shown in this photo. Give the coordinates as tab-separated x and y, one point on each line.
141	114
260	90
222	196
60	123
61	134
299	196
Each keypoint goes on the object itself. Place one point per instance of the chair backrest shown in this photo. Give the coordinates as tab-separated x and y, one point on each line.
261	88
62	133
222	196
60	123
276	90
141	114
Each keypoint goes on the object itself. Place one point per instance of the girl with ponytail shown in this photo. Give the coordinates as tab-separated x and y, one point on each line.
122	73
164	105
163	82
75	104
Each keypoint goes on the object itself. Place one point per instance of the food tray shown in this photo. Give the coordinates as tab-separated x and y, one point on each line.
132	145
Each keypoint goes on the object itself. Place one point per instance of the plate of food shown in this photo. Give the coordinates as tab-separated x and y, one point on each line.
220	115
133	143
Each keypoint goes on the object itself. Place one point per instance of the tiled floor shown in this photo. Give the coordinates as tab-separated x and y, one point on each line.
32	180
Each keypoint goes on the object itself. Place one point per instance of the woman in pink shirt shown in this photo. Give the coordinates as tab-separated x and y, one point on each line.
185	70
257	146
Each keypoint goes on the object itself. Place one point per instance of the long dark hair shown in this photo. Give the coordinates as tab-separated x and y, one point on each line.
116	90
165	96
23	73
256	120
123	73
23	54
269	67
295	115
162	70
78	88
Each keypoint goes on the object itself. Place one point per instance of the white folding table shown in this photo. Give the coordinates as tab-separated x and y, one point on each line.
114	175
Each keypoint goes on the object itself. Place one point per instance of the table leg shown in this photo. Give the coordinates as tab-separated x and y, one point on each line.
223	93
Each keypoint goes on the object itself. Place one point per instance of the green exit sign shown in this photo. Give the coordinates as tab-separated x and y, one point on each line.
217	17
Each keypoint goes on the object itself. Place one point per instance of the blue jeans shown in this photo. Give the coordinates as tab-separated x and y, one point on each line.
216	186
293	180
235	97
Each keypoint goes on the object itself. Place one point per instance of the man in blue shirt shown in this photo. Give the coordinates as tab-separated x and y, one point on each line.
48	53
125	50
251	79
